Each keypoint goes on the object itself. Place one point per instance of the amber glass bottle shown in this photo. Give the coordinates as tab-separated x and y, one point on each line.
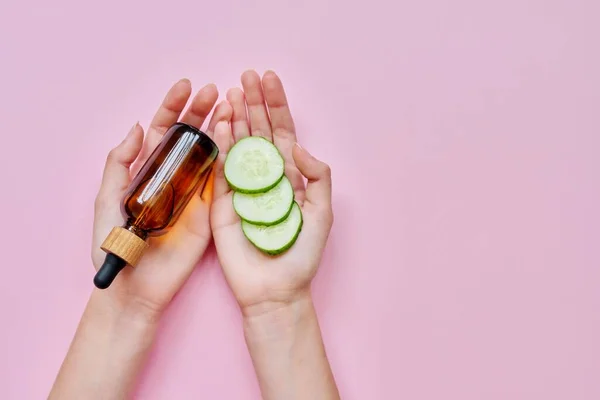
158	194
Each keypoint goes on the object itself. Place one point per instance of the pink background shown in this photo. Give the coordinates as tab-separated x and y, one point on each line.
464	139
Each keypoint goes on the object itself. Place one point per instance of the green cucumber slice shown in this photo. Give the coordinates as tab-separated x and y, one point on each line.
275	239
253	165
268	208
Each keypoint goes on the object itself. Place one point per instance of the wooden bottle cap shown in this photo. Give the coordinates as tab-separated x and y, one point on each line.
125	244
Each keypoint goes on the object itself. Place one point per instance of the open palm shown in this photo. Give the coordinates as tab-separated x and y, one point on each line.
255	278
171	258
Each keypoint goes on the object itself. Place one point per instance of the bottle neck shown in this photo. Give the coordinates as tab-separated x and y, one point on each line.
139	232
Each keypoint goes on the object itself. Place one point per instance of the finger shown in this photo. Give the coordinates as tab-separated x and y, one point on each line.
282	123
318	189
115	180
116	176
255	101
201	106
239	120
173	104
222	112
206	191
168	113
224	141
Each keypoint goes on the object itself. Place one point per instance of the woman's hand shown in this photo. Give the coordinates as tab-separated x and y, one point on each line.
280	323
119	324
261	282
171	258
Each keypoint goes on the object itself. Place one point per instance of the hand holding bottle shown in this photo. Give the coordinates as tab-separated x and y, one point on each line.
119	324
170	258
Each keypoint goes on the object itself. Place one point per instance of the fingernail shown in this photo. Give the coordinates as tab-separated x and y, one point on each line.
224	104
306	152
210	85
132	130
222	124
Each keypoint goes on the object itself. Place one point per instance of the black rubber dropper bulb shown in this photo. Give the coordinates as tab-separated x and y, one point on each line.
108	271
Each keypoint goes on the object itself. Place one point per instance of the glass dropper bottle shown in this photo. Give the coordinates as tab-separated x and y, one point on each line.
157	196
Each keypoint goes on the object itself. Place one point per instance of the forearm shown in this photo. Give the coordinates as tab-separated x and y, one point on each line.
287	351
107	352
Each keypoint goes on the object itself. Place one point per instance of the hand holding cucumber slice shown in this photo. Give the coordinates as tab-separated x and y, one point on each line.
263	197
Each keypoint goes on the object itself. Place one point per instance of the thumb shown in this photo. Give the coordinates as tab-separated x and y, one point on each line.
116	176
318	189
115	180
224	140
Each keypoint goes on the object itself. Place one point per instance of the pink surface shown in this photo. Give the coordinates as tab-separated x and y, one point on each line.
463	136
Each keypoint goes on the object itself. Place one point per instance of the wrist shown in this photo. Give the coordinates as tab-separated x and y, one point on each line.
287	351
126	311
110	345
283	302
273	320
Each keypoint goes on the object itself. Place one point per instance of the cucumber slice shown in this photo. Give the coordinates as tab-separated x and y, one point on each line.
253	165
275	239
268	208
